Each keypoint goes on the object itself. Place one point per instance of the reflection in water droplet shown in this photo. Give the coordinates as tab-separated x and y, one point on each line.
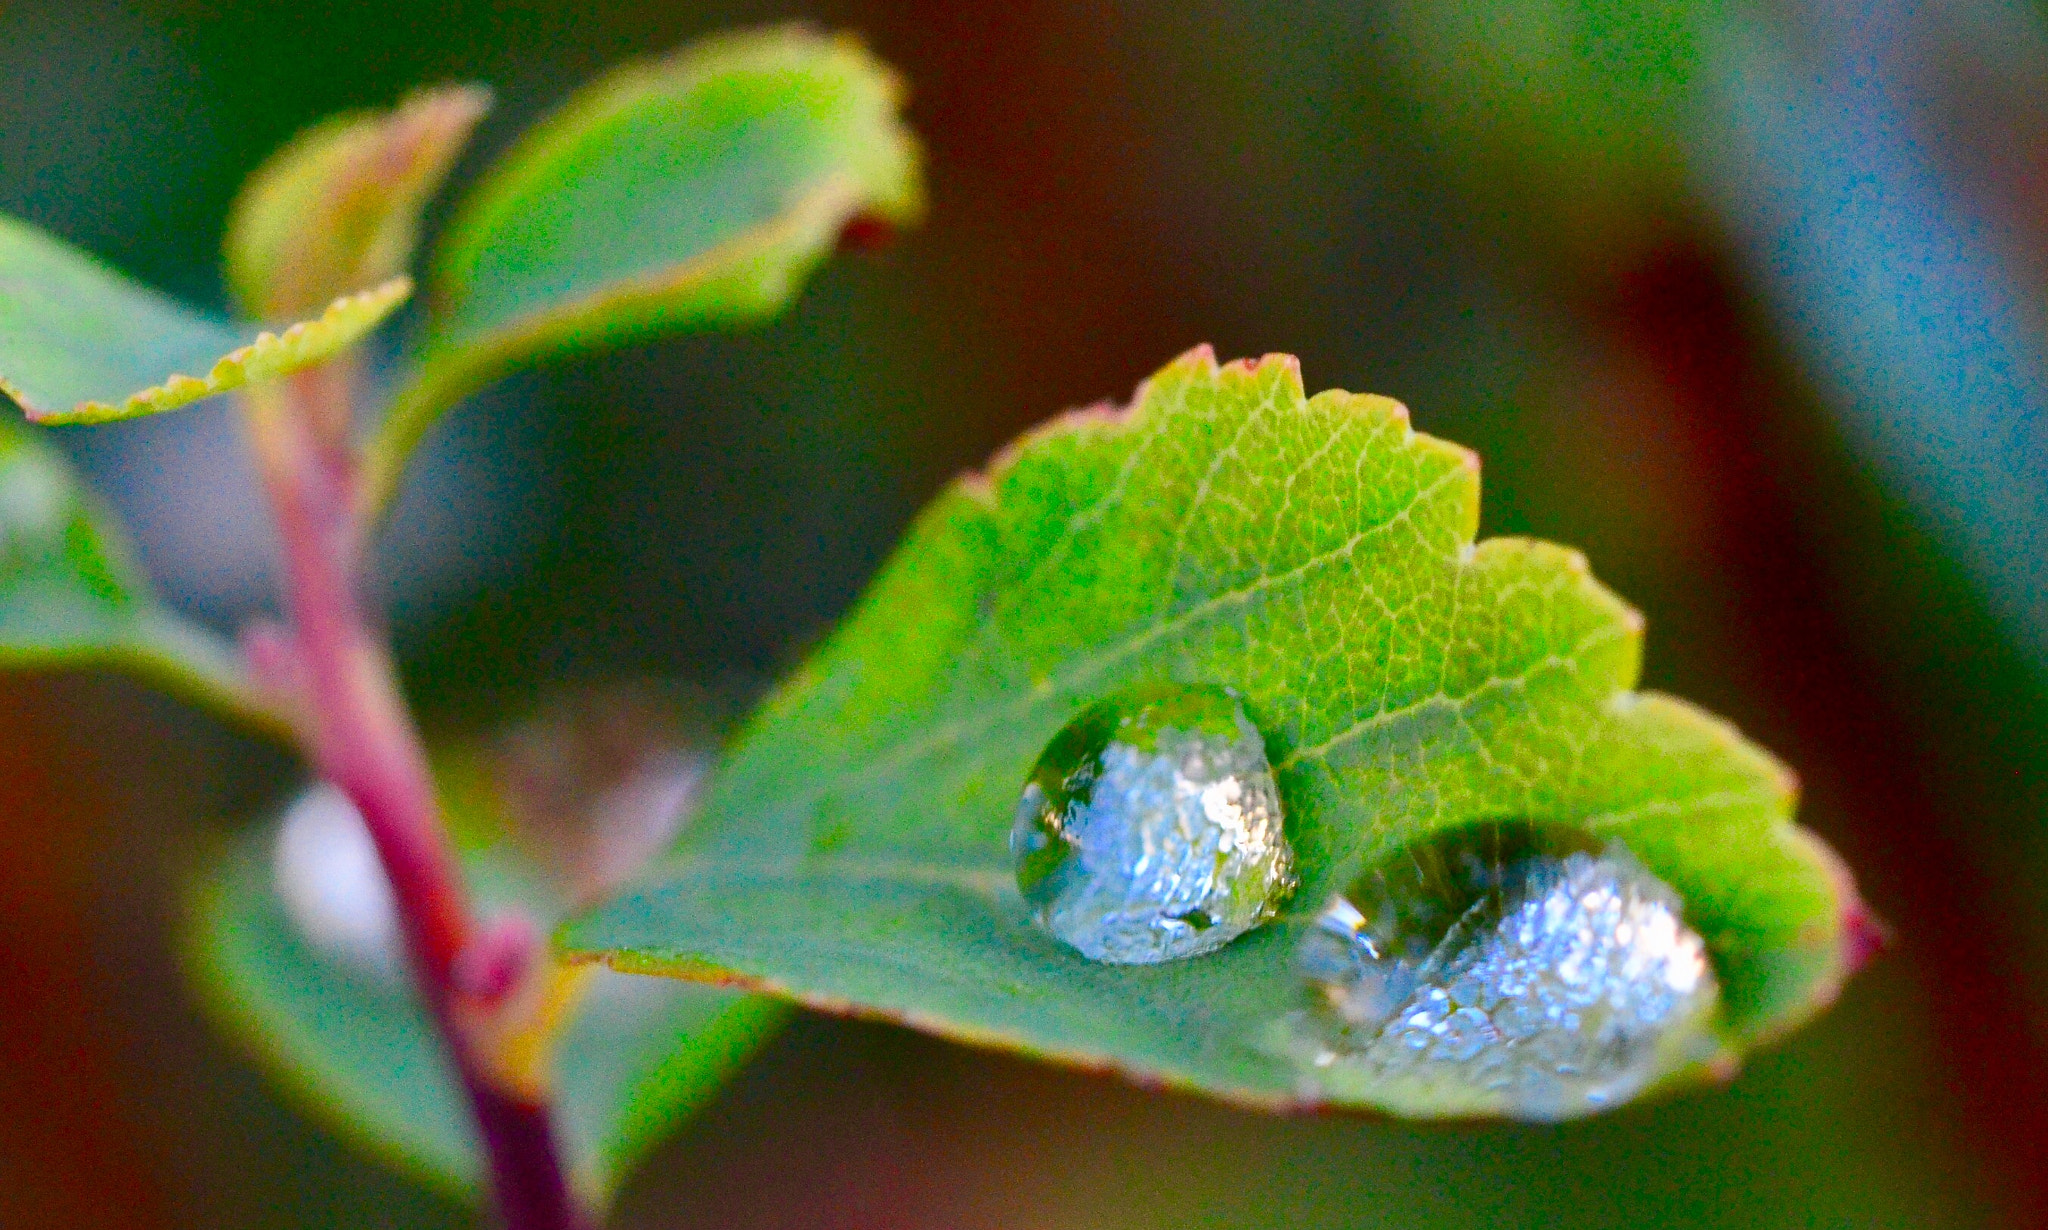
327	874
1151	828
1507	968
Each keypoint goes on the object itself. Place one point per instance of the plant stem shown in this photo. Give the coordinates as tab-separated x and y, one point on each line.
361	737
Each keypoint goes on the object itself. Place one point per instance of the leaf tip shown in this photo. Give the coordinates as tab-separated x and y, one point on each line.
895	86
337	207
1280	360
867	231
1722	1067
1860	933
1865	935
460	103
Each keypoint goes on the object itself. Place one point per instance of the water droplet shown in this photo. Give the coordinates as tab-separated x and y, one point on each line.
1504	968
1151	830
326	871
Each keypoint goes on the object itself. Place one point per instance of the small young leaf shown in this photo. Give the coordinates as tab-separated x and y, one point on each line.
79	343
294	949
1315	555
338	208
70	596
685	193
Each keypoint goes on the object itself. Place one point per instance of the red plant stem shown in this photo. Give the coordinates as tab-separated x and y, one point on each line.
361	737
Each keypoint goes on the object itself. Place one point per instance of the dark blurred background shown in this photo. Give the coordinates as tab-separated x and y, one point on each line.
1745	300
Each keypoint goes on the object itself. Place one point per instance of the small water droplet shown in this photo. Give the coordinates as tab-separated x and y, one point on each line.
327	875
1505	968
1151	828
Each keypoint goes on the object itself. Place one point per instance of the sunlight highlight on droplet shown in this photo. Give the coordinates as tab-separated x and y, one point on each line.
1507	969
1151	828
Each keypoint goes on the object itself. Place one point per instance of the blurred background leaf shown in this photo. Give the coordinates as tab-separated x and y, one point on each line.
338	208
1108	186
636	1056
82	343
71	595
293	943
688	192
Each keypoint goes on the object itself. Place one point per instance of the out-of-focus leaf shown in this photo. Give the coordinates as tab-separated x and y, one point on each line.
337	210
1317	556
70	596
1921	333
685	193
1564	114
80	343
294	946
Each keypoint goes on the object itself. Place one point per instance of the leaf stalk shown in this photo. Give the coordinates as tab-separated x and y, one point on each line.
359	734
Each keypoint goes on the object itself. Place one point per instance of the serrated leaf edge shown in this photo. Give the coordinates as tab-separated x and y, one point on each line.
980	487
301	345
1161	1079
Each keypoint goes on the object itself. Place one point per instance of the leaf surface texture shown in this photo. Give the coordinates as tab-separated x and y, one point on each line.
1318	556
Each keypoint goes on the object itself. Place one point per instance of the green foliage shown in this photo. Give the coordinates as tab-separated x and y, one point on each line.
70	595
351	1041
1566	113
1315	555
338	208
79	343
691	192
685	193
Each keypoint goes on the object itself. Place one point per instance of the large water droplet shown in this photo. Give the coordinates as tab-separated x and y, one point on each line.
1505	968
1151	828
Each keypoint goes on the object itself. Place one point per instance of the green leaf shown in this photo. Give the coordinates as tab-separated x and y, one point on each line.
80	343
686	193
294	942
71	596
1317	556
338	208
349	1040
